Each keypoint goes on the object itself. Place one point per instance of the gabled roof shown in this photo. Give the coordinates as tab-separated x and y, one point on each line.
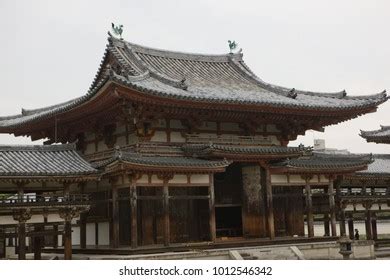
379	136
213	79
325	163
40	161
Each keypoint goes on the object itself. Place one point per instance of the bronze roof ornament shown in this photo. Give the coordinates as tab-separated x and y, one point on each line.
232	45
117	29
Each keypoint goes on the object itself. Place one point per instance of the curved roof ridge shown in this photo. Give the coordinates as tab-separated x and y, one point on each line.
176	54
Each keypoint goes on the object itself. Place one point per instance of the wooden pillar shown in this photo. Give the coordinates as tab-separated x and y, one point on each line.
343	231
55	237
332	207
83	230
309	209
22	215
368	221
96	234
38	243
326	225
351	229
115	216
213	231
270	206
374	228
22	240
83	224
68	239
133	206
166	213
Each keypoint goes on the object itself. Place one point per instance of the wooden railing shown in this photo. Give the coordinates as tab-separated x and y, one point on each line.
38	200
229	139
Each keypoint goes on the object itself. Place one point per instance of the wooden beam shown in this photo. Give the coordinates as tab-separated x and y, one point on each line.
343	231
309	209
133	206
374	228
213	231
368	223
55	237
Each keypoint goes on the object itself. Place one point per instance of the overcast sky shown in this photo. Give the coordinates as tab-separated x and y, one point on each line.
51	50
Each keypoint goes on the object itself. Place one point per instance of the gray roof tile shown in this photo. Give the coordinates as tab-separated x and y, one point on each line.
222	79
55	160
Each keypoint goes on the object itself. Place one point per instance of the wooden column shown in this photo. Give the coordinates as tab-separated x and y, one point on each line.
343	231
332	207
38	243
374	228
368	221
83	230
68	239
326	225
115	215
270	206
133	206
213	231
83	224
309	209
166	213
22	215
351	229
22	240
55	237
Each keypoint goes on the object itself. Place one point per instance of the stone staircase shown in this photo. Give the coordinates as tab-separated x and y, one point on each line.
275	253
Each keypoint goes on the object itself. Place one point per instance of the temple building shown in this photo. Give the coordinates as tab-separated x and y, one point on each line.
168	149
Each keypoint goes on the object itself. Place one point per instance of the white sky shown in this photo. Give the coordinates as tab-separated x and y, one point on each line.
50	50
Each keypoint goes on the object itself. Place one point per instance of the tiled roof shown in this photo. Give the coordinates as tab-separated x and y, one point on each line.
221	79
326	162
171	162
209	149
55	160
380	136
380	166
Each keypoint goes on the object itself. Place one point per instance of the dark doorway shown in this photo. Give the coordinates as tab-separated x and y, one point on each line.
228	221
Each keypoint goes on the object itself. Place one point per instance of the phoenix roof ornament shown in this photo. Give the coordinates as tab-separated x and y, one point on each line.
117	29
232	45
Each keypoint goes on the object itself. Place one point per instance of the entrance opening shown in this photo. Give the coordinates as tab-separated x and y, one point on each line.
228	221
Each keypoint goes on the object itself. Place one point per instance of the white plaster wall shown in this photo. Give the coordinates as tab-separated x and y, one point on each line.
5	220
323	179
90	234
54	218
102	146
272	128
179	179
143	179
296	179
278	178
200	179
156	180
75	235
104	238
